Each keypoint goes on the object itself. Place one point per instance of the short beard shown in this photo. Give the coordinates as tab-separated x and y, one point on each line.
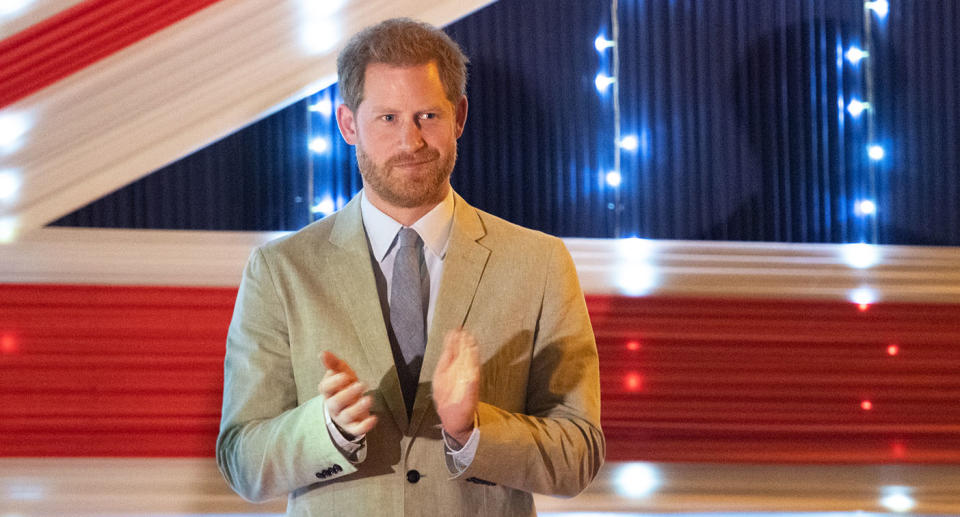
406	192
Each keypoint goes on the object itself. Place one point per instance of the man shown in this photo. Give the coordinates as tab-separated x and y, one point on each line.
409	355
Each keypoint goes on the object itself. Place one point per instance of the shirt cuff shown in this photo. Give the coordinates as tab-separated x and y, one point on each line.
355	450
460	457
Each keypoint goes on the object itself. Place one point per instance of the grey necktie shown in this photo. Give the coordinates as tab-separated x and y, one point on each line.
408	304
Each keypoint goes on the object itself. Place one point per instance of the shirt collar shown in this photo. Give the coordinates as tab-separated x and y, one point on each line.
433	227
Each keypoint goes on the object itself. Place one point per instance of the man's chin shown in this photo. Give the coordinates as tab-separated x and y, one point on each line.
414	197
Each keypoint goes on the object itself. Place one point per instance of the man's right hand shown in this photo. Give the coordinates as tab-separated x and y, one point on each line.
349	408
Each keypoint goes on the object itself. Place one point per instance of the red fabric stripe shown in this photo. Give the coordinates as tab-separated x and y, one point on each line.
80	36
138	371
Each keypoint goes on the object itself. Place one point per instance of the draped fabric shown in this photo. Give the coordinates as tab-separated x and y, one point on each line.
740	111
79	36
918	104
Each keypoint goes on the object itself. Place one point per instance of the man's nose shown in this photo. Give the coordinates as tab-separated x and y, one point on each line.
411	135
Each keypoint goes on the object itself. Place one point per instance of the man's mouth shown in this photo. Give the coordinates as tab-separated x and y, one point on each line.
414	161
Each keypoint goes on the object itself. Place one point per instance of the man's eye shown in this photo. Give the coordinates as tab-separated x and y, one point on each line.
387	118
428	116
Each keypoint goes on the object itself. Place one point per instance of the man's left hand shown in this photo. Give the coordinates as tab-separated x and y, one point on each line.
456	384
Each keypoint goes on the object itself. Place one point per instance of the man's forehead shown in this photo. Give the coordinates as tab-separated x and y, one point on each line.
387	83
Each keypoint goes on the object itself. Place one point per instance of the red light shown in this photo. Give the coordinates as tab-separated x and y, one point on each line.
899	450
863	307
633	346
866	405
893	350
8	344
633	382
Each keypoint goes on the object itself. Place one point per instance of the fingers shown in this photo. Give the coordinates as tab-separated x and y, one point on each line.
450	348
357	411
349	408
362	427
344	398
331	383
338	374
467	361
332	362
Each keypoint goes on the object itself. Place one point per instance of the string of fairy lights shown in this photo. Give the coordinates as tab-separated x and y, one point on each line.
864	254
865	208
862	110
603	82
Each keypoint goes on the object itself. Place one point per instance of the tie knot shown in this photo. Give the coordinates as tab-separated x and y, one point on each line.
409	237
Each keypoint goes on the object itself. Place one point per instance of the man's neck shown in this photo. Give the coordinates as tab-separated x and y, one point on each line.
403	215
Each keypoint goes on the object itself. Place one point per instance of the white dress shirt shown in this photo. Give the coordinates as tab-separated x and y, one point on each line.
434	229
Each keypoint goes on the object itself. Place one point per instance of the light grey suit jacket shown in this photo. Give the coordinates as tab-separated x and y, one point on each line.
515	289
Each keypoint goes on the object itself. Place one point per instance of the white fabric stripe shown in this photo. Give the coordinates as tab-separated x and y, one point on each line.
733	269
143	486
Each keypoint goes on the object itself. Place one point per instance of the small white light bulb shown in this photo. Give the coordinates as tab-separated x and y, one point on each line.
319	36
603	82
8	230
865	207
324	207
602	43
862	296
613	179
636	480
855	54
880	7
12	128
876	152
897	499
323	107
319	145
629	143
9	185
856	107
860	255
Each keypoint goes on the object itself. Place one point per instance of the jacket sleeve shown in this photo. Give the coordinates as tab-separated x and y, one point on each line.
555	446
268	445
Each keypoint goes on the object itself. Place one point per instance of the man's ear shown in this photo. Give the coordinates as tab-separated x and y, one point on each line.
461	109
347	122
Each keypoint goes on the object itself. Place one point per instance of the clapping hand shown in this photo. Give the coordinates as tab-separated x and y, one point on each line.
456	384
349	408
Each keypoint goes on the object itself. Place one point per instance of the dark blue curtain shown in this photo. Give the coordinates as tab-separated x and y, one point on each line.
255	179
738	111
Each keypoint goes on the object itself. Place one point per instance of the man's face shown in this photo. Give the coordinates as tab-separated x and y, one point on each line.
405	131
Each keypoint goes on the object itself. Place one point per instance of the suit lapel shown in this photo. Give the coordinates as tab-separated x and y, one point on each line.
462	269
353	274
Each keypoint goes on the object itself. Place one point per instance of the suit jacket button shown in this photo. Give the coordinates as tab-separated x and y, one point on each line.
413	476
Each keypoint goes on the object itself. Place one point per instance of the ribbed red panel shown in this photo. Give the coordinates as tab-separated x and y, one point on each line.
111	371
80	36
137	371
778	381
